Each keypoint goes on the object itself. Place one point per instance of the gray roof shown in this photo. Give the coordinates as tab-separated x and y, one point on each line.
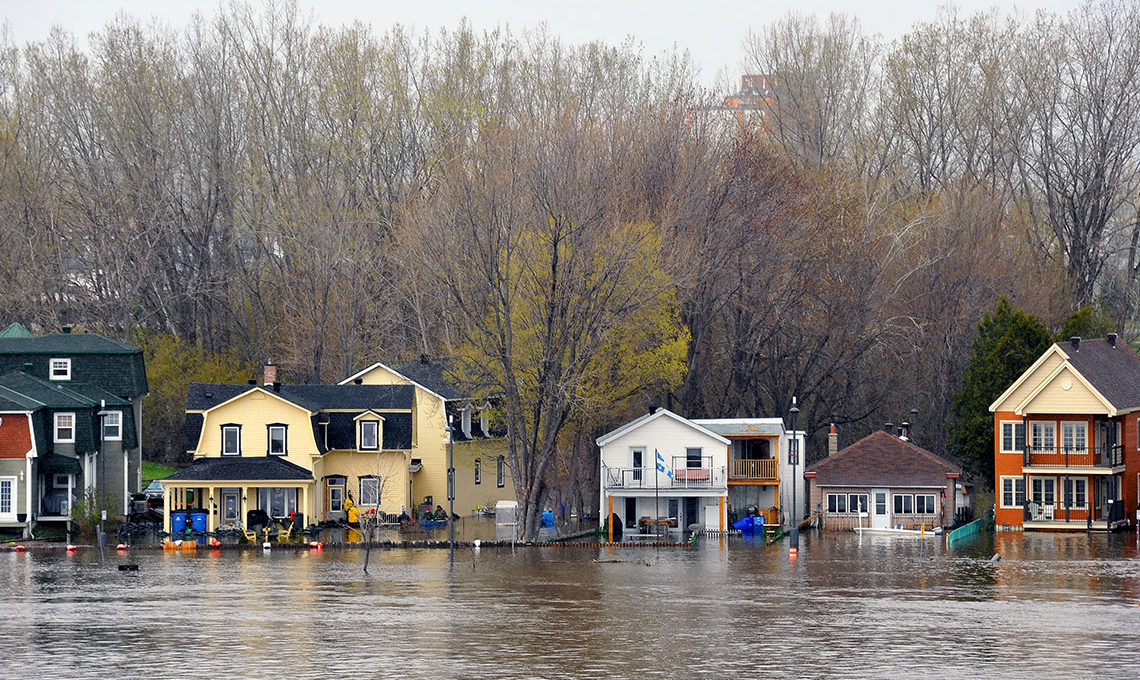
65	343
434	374
243	468
739	427
202	396
1113	371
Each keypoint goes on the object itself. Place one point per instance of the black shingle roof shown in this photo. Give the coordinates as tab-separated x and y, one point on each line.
242	468
397	429
434	374
203	396
65	343
56	395
1113	371
114	366
882	459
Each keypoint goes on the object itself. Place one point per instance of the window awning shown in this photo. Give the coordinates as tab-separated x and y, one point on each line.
54	463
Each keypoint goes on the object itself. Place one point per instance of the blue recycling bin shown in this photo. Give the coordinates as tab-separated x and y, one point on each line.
177	522
198	521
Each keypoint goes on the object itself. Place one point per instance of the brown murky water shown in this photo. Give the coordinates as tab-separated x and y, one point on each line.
1054	606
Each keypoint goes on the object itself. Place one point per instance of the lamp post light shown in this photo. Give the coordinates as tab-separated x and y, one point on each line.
794	459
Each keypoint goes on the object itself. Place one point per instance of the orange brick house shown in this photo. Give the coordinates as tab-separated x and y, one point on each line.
1066	453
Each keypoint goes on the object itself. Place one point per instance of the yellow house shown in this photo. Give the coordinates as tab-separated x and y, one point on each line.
268	452
482	475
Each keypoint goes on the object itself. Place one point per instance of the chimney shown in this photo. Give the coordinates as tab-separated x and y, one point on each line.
66	329
889	427
277	386
904	430
832	441
1112	339
253	381
1075	341
269	374
358	381
914	425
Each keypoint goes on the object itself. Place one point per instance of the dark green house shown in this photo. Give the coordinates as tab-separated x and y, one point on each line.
70	415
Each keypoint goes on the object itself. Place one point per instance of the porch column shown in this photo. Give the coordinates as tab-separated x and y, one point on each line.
721	511
242	510
306	502
167	500
212	512
610	520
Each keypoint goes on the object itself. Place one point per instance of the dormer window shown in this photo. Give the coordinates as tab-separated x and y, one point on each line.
485	419
369	435
278	439
231	440
60	369
113	426
466	421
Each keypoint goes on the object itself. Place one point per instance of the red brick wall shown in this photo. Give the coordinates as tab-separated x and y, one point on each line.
15	437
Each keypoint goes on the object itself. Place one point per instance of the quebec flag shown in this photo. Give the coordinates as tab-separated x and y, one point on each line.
661	466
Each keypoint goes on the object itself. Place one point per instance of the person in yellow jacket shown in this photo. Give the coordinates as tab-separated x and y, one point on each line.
351	510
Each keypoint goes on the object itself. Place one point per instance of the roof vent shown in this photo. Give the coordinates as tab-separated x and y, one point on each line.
1112	339
889	427
252	381
1075	341
358	381
66	328
28	368
277	386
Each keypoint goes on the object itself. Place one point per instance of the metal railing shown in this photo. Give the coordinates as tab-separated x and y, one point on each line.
760	470
1070	456
649	478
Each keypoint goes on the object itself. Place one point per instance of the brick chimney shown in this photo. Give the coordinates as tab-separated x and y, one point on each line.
269	374
832	441
1112	339
1075	341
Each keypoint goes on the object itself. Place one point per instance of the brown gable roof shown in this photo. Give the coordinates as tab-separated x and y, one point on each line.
1113	371
882	459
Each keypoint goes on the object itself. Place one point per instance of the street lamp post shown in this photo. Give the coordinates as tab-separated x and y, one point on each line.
794	456
451	485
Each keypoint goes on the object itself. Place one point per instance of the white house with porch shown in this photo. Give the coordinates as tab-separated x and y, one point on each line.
663	474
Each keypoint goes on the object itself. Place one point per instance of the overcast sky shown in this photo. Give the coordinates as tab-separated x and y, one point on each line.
712	30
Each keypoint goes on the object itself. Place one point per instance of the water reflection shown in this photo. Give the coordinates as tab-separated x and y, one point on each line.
847	605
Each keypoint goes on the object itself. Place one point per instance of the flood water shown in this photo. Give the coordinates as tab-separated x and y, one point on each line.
1053	606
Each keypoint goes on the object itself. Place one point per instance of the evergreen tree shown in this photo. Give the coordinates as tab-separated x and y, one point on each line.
1008	342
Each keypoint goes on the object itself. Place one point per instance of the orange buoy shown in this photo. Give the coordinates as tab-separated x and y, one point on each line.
72	548
121	546
214	542
316	545
20	548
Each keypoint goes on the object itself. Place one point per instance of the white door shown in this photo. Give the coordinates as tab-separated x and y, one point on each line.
880	511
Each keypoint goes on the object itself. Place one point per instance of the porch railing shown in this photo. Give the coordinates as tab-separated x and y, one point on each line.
1069	456
754	470
648	478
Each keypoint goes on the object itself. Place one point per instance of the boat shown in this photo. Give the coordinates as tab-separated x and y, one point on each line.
892	531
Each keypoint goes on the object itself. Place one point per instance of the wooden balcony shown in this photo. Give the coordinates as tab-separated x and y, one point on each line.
754	470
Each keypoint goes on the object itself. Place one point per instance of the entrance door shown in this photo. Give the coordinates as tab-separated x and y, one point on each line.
334	498
692	512
231	508
880	513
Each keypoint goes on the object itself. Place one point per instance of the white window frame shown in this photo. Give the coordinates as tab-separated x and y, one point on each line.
1075	436
863	498
465	421
638	470
370	491
117	425
237	441
478	471
57	427
837	504
9	514
1070	493
1014	425
501	472
907	500
1013	481
284	440
1037	490
373	425
928	501
64	368
1043	435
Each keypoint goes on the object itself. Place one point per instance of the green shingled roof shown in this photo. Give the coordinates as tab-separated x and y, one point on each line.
15	330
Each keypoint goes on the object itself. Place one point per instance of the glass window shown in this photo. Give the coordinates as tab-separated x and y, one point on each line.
478	471
231	440
369	435
277	440
7	485
64	428
1012	492
60	369
1076	493
692	458
1043	436
1012	436
113	426
501	472
904	504
370	491
924	504
1074	437
277	502
857	502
